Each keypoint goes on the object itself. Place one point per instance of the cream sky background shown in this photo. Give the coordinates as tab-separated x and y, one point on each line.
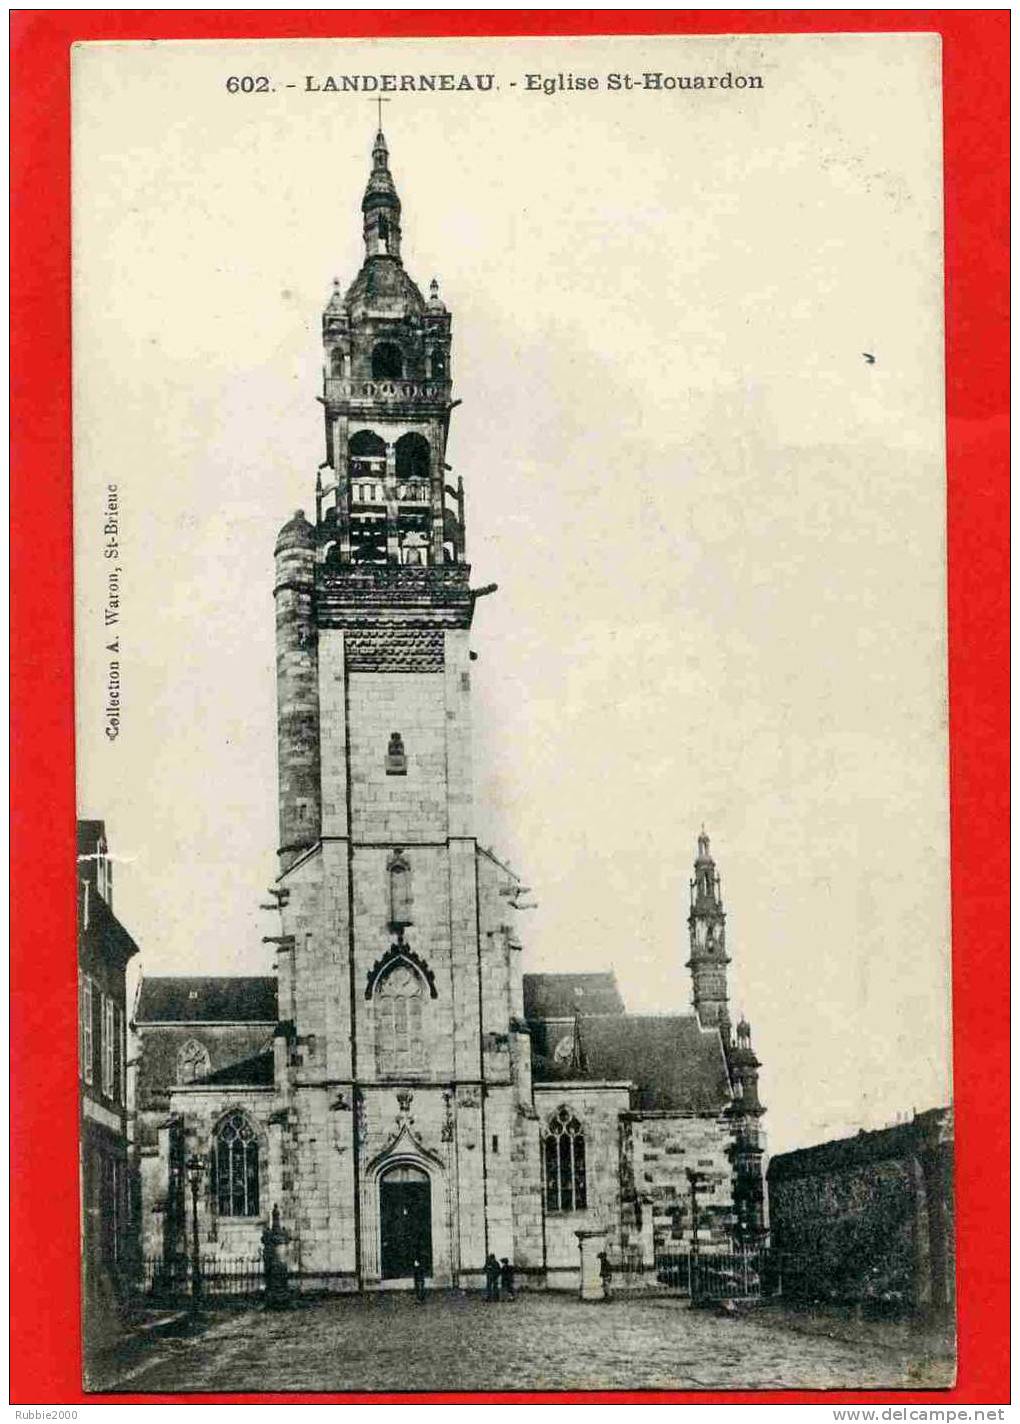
718	532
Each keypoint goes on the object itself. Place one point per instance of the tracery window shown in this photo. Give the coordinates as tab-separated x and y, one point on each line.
192	1061
399	998
236	1167
566	1186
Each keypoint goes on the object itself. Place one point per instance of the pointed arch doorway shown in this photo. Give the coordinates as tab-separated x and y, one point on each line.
405	1220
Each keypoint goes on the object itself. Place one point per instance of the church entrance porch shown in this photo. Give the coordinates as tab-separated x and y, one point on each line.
406	1215
405	1221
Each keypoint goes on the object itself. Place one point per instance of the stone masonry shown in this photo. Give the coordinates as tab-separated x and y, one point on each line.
403	1104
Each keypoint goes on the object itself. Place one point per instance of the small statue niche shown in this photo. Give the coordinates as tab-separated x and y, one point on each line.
396	757
400	890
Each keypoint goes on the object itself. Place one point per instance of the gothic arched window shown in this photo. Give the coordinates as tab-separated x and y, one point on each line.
236	1167
400	890
387	362
566	1183
192	1061
400	994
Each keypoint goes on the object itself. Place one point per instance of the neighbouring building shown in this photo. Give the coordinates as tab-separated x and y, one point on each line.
183	1029
869	1217
420	1096
108	1199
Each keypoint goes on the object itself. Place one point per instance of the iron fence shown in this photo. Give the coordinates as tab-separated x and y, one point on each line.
729	1275
220	1277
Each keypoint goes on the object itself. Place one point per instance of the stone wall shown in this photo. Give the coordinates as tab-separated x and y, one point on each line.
869	1217
200	1109
658	1152
598	1109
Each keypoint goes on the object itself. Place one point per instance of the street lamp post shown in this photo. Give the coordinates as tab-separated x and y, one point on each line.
195	1169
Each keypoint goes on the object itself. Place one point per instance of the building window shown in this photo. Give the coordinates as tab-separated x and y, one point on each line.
86	1028
192	1061
109	1037
399	996
387	362
566	1187
236	1167
119	1094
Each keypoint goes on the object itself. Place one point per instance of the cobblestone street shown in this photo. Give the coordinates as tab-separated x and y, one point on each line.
388	1342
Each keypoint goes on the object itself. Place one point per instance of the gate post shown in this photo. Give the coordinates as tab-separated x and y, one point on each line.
592	1244
274	1238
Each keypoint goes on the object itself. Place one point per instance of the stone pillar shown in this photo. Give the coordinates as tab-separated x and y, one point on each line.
937	1167
390	482
647	1232
274	1240
342	476
592	1244
919	1237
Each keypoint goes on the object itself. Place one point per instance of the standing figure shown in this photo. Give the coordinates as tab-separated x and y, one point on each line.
506	1279
606	1274
419	1279
491	1277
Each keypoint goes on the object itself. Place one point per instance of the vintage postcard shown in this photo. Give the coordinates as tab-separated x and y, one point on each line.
510	508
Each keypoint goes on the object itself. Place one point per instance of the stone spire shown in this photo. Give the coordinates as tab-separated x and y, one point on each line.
380	206
707	925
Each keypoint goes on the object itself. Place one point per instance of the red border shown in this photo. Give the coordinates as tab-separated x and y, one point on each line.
45	1364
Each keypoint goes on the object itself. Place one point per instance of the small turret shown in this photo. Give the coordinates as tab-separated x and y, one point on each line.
297	689
744	1072
748	1146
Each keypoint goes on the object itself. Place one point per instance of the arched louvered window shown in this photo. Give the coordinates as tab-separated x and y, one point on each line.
566	1183
236	1167
398	1002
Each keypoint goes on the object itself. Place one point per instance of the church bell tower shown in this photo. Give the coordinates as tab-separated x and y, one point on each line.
385	558
398	979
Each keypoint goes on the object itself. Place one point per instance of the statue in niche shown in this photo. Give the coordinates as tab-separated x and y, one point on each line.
396	757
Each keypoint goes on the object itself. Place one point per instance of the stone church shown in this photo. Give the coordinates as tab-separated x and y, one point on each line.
402	1088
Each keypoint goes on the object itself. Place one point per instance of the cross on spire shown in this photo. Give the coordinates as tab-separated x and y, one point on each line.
379	101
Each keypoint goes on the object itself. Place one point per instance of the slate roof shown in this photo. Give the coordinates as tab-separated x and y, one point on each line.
249	1072
561	996
675	1064
225	999
101	931
90	833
